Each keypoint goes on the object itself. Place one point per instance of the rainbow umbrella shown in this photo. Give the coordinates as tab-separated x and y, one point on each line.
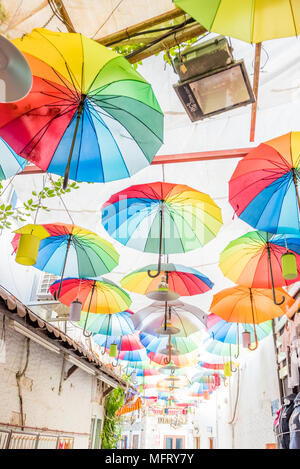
198	389
263	189
10	162
108	324
96	296
72	251
249	306
185	317
183	280
144	373
225	350
162	218
251	20
254	259
231	332
206	378
155	344
89	116
182	361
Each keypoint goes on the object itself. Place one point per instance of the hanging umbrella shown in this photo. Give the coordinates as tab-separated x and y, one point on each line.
263	189
249	306
197	389
96	296
161	218
255	259
126	343
183	280
109	324
72	251
232	332
156	344
144	373
89	116
10	162
251	21
182	361
206	378
185	317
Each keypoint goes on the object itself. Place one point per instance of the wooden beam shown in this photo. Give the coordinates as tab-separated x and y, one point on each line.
120	36
70	371
168	41
63	12
255	89
175	158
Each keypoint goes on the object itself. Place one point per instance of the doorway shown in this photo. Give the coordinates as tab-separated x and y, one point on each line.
174	442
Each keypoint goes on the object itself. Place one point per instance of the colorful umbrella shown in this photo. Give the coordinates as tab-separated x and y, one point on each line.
187	318
198	389
251	20
231	332
156	344
10	162
263	189
109	324
96	296
183	280
143	372
187	360
72	251
207	378
249	305
254	259
126	343
89	116
162	218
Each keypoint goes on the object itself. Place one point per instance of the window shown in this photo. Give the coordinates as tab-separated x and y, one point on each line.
95	433
135	441
174	442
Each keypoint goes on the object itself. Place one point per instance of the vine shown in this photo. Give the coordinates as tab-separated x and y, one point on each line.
10	215
111	432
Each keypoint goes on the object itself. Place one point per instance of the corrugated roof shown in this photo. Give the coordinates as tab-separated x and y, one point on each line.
16	310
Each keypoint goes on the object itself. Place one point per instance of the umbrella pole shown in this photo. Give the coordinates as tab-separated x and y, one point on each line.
233	370
160	247
238	341
64	266
120	346
88	334
253	319
105	345
296	187
255	89
272	280
79	113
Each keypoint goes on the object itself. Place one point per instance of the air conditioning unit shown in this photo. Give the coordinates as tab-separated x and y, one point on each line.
42	293
211	81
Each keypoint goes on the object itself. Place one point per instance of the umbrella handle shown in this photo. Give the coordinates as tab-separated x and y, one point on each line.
224	382
160	246
272	280
236	356
233	370
256	340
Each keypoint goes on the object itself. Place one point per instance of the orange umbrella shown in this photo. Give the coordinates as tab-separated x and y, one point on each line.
249	305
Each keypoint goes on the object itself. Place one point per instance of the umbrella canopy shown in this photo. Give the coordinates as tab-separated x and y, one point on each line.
207	378
127	343
10	162
183	280
109	324
89	116
222	349
96	296
197	389
143	373
263	189
182	361
231	332
156	344
248	305
138	355
73	251
162	218
251	20
187	318
254	259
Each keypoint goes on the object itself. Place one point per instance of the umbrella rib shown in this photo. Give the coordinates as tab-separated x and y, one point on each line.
89	116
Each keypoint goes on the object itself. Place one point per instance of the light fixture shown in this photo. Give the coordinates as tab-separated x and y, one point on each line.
34	337
75	311
163	293
169	330
211	81
246	339
289	266
15	74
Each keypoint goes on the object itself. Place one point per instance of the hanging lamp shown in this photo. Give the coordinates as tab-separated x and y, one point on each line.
28	247
289	266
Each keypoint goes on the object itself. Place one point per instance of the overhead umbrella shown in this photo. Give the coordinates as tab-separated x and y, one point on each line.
183	280
10	162
109	324
162	218
263	189
249	305
155	344
213	380
72	251
233	332
89	116
143	373
183	316
182	361
197	389
251	21
96	296
255	259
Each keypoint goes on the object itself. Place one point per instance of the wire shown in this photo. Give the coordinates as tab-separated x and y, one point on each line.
108	18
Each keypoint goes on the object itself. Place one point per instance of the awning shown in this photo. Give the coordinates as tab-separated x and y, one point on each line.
130	407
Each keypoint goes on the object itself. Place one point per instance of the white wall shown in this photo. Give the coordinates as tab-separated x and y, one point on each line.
71	411
253	424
